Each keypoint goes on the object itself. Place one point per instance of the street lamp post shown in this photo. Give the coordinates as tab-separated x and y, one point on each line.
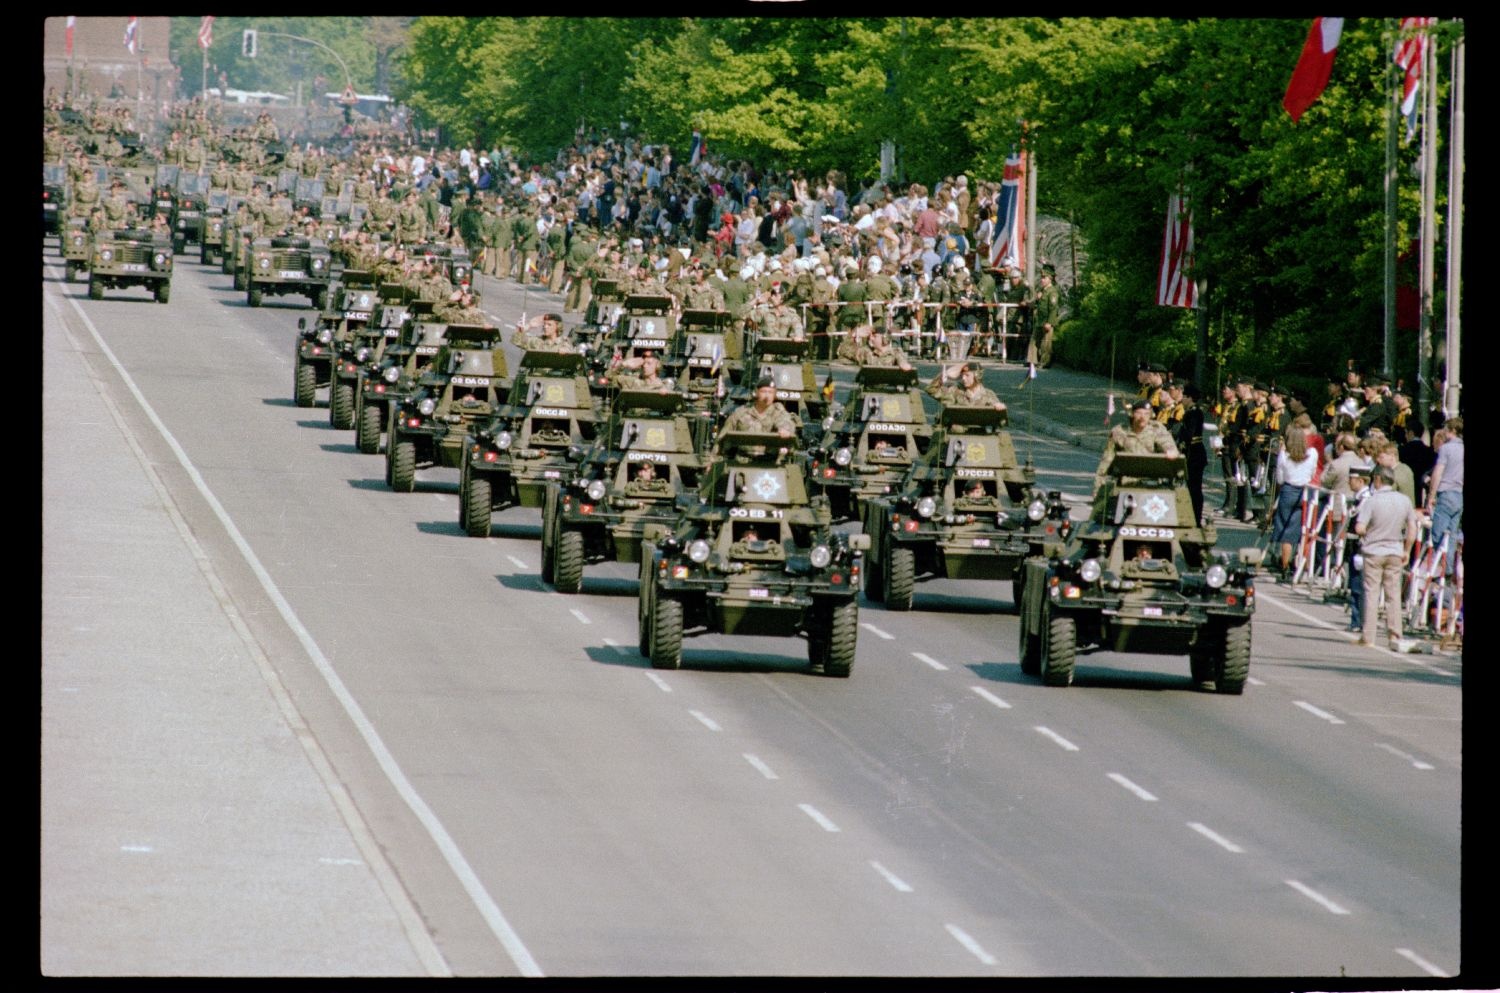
348	79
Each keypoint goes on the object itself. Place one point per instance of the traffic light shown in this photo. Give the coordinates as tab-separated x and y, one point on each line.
249	43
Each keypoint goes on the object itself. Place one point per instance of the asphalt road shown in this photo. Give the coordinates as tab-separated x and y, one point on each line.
294	723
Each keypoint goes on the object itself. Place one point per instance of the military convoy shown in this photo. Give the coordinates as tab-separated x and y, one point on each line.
133	257
466	383
396	375
54	198
1140	576
288	264
870	442
754	553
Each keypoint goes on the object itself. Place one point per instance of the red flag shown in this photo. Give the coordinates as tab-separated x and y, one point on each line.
1314	67
206	33
1411	52
1175	286
68	36
132	25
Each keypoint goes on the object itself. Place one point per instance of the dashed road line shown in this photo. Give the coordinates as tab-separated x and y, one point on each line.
1415	762
930	661
136	848
1132	787
876	631
1047	732
659	681
518	563
973	946
1316	897
582	618
1215	837
992	698
1254	682
1421	963
1415	660
818	816
1325	715
899	885
705	720
760	766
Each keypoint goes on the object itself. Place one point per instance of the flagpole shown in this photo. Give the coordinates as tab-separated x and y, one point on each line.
1393	76
1452	381
1429	224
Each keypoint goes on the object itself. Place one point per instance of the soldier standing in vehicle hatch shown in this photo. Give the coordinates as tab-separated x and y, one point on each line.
764	414
1143	435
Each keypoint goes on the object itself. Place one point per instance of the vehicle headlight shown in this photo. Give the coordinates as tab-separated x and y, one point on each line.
503	440
1036	510
362	355
842	456
698	551
596	490
926	506
216	227
391	375
1217	576
427	406
820	556
317	263
78	239
106	254
264	263
325	335
159	258
1090	571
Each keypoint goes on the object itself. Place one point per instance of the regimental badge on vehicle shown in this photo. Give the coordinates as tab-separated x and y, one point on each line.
766	486
974	453
656	437
1155	508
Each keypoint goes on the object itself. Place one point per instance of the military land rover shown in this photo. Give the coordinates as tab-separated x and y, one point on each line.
285	265
132	257
1141	576
753	554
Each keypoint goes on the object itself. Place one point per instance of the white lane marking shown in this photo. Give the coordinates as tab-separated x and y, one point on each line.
1416	762
659	682
328	861
612	643
1316	712
1253	681
1215	837
1415	660
518	563
760	766
1316	897
705	720
582	618
930	661
494	918
136	848
973	946
992	698
876	631
897	883
1421	963
1132	787
1049	733
817	815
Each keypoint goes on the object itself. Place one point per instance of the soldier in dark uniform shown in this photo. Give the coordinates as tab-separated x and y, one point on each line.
1254	438
1377	413
1189	438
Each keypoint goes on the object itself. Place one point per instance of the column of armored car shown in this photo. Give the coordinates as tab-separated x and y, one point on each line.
739	532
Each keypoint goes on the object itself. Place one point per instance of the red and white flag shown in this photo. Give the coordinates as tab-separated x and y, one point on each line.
1009	246
132	27
206	33
68	36
1175	286
1314	67
1411	53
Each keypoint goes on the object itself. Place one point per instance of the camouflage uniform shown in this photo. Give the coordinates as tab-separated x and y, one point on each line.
887	355
1153	440
774	419
778	321
956	395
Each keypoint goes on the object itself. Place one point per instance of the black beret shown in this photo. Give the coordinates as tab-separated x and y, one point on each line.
1141	405
765	381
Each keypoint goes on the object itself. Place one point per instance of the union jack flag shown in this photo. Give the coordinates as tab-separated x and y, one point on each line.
1009	247
1175	286
132	27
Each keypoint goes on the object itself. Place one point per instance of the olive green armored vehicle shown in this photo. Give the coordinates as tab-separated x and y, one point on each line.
132	257
870	443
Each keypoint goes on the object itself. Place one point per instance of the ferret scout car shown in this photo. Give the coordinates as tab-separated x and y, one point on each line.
871	441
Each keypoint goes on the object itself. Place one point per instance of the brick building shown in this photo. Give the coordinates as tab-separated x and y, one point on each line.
101	64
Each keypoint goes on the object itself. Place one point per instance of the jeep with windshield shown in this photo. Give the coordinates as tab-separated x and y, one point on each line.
285	265
1140	576
189	203
220	205
132	257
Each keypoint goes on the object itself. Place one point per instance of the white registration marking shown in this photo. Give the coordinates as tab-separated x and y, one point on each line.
659	681
518	563
876	631
992	698
1064	742
1316	712
582	618
817	815
1132	787
1421	963
930	661
899	885
705	720
759	766
1416	762
1215	837
1316	897
973	946
136	848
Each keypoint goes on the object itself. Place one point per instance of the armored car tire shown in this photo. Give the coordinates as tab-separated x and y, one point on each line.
1233	666
666	633
843	633
320	299
341	405
475	500
367	429
70	272
96	289
1030	648
401	459
179	245
567	569
241	280
304	383
1059	650
900	579
163	292
254	296
643	602
205	255
549	533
